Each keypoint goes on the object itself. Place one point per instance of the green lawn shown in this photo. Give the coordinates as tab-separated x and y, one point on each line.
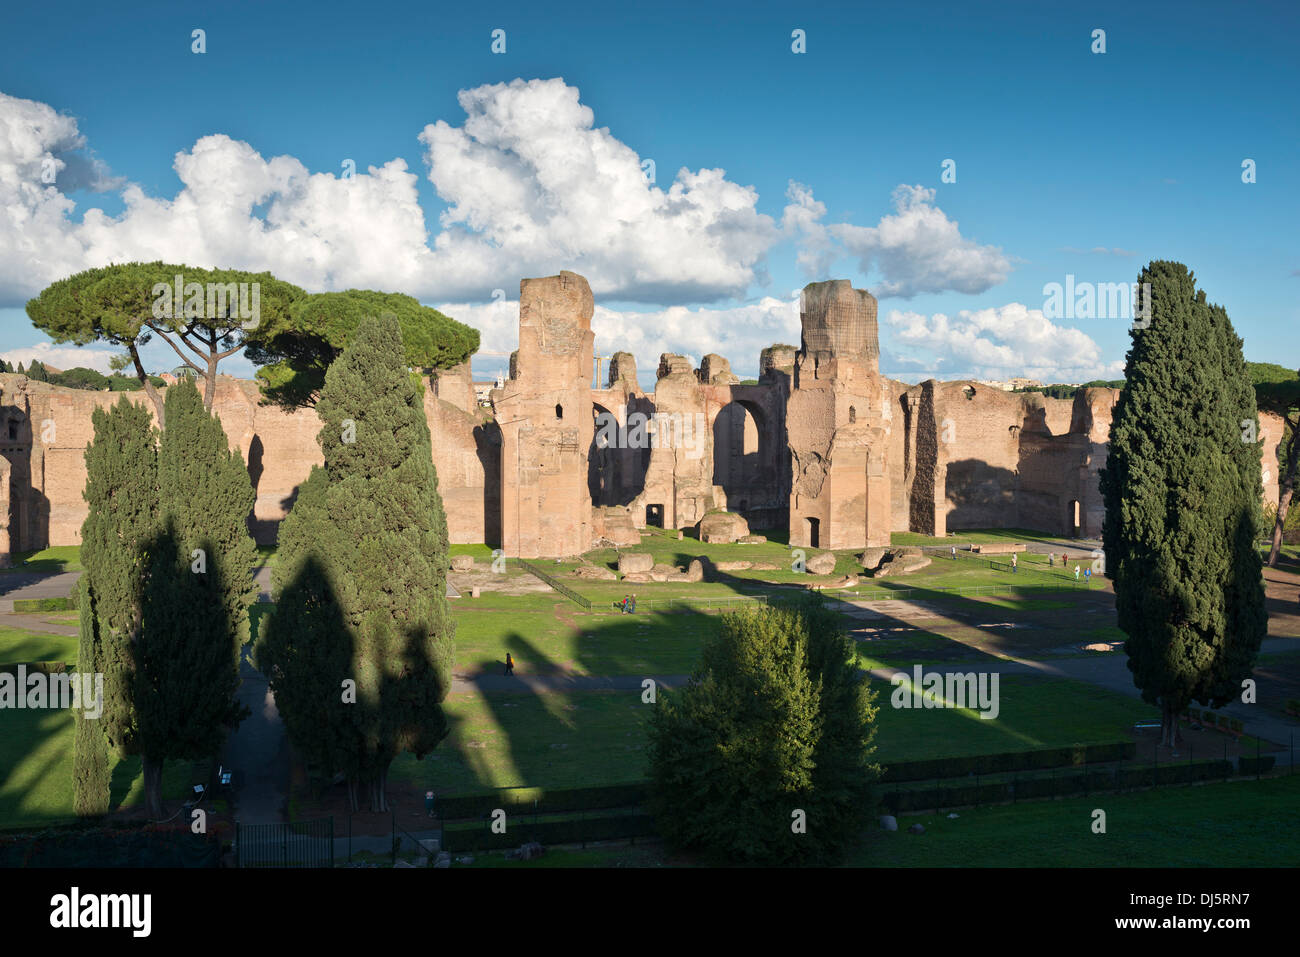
1033	713
36	770
18	645
544	639
516	740
501	739
60	558
1234	824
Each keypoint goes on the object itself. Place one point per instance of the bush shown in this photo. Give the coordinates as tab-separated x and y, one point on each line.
26	606
775	728
611	827
554	801
1045	758
1261	765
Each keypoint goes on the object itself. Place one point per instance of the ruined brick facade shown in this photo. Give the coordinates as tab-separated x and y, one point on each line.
822	447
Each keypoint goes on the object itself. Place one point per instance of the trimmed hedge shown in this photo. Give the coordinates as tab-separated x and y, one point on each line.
1044	759
1067	784
1261	765
35	667
544	801
24	606
614	827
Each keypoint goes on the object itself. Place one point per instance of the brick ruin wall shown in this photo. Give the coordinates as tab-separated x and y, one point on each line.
821	436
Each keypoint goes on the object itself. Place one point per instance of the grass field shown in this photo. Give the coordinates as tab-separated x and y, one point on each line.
513	740
36	770
60	558
580	739
1237	824
1234	824
18	645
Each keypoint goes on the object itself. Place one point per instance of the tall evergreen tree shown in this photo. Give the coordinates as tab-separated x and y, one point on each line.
775	720
197	593
366	542
121	494
205	491
1181	488
91	781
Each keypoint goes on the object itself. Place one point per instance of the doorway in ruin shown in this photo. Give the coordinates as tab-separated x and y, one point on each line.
615	473
654	516
743	464
812	528
1073	522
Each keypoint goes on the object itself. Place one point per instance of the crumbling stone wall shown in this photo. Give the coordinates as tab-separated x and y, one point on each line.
544	412
839	421
822	445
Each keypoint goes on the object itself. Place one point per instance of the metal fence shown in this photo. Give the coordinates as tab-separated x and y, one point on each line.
555	583
1202	765
295	844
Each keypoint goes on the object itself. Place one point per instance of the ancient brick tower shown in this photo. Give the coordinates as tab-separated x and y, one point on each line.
545	414
838	421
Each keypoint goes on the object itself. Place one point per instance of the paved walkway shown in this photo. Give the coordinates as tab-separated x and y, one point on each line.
258	753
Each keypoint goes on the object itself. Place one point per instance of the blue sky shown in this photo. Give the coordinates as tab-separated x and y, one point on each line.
1067	162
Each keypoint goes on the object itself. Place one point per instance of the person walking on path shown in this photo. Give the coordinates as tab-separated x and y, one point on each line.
1076	572
1051	557
1087	574
632	610
954	553
1013	563
622	606
510	664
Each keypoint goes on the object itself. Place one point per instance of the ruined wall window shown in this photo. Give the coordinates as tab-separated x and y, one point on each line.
559	411
13	431
853	415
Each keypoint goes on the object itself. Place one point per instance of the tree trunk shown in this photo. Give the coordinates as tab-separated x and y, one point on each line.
149	389
353	804
1169	725
153	787
1284	493
379	790
210	387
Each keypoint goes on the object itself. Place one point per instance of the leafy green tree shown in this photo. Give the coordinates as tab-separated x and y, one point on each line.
81	378
196	596
37	371
295	349
130	303
91	780
121	494
363	554
774	721
1181	488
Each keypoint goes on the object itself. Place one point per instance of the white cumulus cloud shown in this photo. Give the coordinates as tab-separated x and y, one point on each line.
996	343
61	357
918	249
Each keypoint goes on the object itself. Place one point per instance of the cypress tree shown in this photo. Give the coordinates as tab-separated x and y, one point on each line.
366	542
121	494
775	720
91	781
1181	488
197	593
